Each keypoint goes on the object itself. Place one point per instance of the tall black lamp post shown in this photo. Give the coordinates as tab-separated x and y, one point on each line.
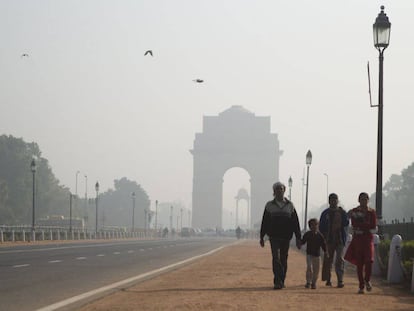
382	29
96	208
33	169
308	164
290	182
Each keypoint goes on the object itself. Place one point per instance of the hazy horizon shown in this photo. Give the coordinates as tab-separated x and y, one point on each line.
94	103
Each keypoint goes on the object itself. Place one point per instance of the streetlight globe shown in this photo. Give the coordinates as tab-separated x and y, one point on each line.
33	166
309	158
133	194
97	187
382	30
290	181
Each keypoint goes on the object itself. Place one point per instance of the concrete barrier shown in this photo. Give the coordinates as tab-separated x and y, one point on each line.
395	273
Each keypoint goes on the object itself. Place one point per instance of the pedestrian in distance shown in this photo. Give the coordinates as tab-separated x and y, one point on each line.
360	251
238	232
314	241
333	225
279	222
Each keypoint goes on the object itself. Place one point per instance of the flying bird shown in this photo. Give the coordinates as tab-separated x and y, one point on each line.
25	55
148	52
198	81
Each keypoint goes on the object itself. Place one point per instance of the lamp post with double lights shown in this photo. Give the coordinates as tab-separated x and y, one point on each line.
33	169
308	164
382	30
96	208
290	183
133	211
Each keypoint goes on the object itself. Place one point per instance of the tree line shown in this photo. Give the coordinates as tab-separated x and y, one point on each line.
52	198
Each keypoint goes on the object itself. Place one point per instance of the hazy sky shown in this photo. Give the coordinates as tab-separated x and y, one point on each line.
91	100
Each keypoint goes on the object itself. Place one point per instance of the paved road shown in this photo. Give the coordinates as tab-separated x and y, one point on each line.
34	276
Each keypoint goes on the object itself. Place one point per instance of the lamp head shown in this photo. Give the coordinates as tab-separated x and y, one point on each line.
97	187
290	181
33	166
308	158
382	30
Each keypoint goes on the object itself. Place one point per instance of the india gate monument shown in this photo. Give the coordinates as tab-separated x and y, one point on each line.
234	138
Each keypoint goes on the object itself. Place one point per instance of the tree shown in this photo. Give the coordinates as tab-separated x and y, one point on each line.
117	204
16	183
398	199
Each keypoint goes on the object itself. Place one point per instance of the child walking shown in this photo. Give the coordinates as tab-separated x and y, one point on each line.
314	241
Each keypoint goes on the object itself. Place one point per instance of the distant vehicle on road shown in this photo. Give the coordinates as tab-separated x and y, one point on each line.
187	232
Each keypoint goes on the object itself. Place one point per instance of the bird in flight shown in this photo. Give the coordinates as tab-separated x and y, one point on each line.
198	81
25	55
148	52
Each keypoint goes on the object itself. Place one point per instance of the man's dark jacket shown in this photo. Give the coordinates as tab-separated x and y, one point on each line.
280	221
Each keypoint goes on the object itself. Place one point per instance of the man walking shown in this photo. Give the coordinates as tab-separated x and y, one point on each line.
279	222
332	225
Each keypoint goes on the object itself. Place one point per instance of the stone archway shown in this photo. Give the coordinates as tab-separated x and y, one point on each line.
236	137
242	194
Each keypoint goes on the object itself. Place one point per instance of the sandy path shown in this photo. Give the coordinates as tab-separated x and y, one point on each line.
239	277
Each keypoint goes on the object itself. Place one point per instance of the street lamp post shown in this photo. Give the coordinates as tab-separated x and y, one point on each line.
327	187
145	220
308	164
76	190
86	199
382	29
156	215
171	218
133	211
70	211
96	208
290	182
76	183
33	169
181	219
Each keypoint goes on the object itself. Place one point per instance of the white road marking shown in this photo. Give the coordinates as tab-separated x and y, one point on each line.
117	253
54	261
21	266
80	258
142	250
129	252
100	290
100	255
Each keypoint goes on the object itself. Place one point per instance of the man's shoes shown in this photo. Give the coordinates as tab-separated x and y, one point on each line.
278	286
341	284
368	286
328	283
313	286
361	291
307	285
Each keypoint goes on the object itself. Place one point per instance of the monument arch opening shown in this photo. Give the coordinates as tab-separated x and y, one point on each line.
236	209
234	138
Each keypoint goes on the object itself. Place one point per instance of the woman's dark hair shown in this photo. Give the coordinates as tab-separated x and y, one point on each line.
363	194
